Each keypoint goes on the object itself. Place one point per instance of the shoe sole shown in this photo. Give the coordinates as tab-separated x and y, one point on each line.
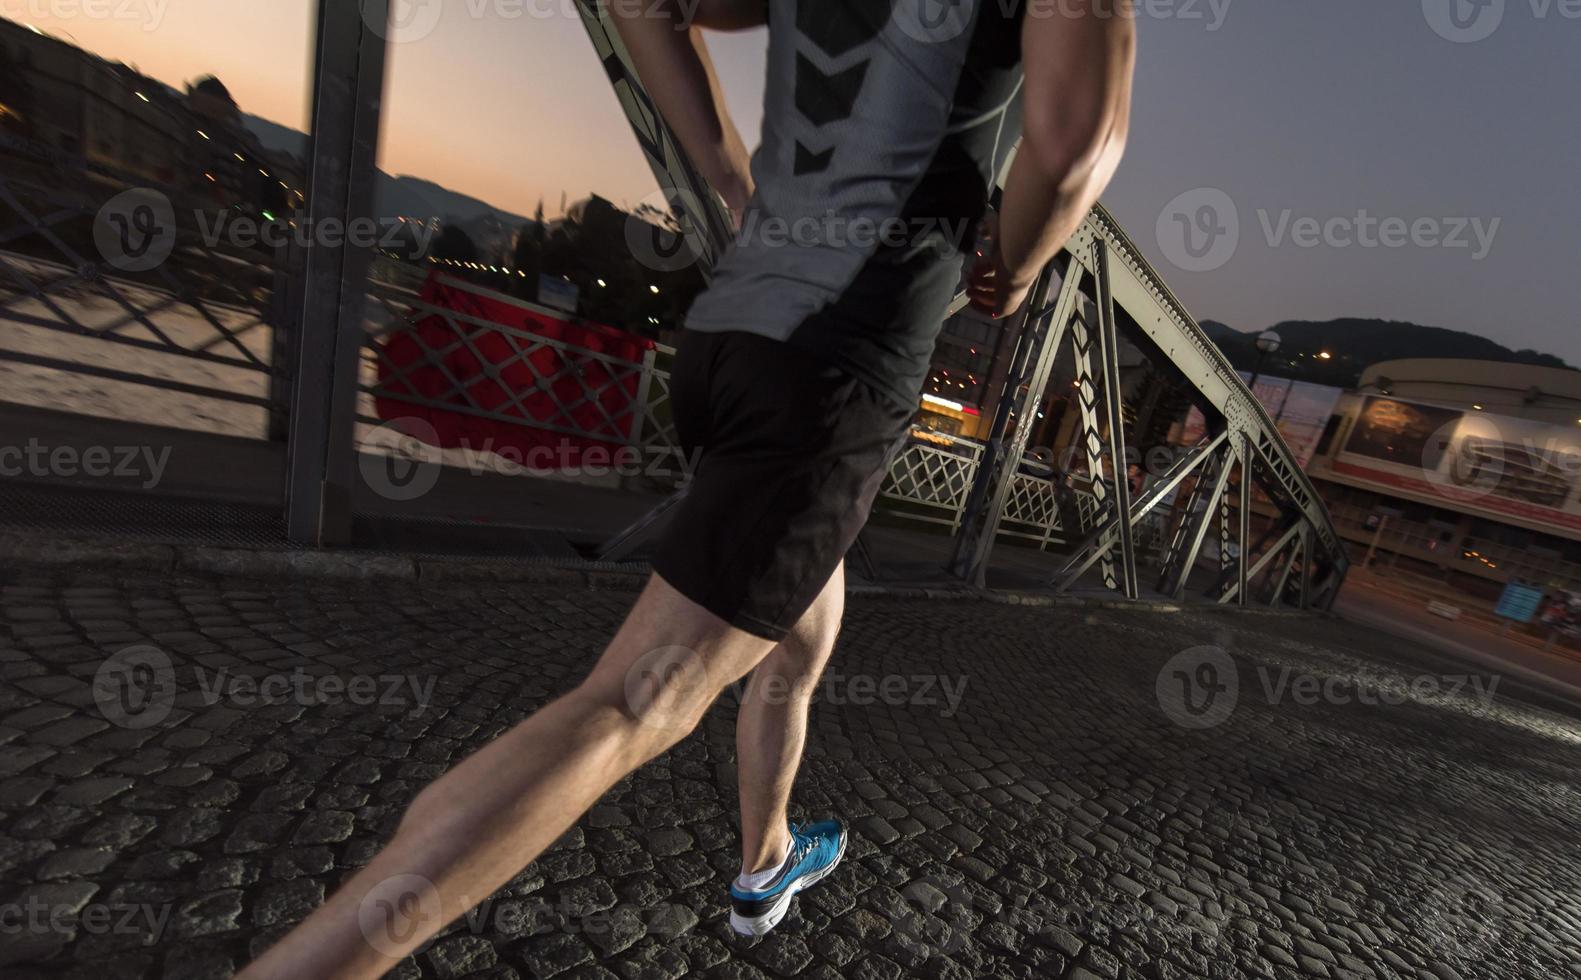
762	924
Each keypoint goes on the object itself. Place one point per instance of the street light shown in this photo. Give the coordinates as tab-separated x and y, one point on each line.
1267	343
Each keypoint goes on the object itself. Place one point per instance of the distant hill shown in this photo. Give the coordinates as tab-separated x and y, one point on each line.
411	196
282	139
1357	344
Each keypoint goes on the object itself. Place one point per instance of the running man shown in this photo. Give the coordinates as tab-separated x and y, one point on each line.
887	123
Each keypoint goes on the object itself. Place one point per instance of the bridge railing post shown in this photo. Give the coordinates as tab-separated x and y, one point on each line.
321	445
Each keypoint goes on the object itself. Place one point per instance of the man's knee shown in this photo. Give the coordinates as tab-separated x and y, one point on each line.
810	643
662	696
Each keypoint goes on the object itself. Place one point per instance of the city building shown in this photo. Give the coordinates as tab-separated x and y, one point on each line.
1467	470
65	109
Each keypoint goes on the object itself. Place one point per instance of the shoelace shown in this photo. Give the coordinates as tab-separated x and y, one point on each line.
803	845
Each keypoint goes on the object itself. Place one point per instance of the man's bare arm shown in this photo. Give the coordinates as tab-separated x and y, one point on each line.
666	46
1079	65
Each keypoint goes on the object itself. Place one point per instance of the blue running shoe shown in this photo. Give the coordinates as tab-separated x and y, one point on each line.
815	851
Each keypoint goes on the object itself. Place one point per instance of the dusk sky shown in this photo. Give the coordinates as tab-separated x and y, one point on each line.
1320	110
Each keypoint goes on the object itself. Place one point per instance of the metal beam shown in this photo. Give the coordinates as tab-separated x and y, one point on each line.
1212	512
1162	318
1244	519
1042	333
1102	539
1182	533
1287	565
1240	591
702	215
1114	411
1306	566
320	448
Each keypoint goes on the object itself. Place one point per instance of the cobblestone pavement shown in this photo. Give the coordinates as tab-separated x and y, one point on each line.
1034	792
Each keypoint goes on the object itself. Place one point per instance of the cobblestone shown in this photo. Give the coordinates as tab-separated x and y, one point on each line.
1054	823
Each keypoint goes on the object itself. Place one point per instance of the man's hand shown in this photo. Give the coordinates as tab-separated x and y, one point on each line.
992	288
665	42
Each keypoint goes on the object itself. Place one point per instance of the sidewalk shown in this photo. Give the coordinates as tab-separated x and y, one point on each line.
1034	792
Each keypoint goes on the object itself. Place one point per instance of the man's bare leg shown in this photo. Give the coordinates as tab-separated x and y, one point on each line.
772	726
473	829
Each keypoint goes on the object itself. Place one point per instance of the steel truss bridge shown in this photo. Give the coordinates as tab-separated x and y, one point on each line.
301	343
1076	302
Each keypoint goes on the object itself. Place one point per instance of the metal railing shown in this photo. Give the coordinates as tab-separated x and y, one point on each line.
477	357
200	326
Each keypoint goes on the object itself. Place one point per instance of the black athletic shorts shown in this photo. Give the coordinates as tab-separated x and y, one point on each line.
790	453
